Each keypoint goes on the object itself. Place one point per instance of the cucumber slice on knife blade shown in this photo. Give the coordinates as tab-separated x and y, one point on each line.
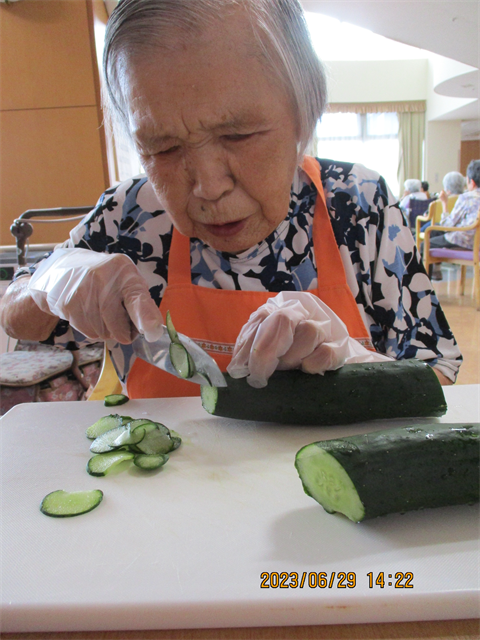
65	504
182	361
172	332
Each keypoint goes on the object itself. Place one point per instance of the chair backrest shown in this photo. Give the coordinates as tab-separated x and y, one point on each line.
435	208
418	208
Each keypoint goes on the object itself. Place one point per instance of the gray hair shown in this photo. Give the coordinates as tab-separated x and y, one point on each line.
136	26
454	182
413	185
473	172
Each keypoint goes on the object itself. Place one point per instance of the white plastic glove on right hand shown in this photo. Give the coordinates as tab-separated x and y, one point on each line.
102	295
294	330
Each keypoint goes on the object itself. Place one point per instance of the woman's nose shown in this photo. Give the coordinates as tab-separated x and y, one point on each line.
210	173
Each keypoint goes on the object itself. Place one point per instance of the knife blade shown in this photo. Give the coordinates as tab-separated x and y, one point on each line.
157	354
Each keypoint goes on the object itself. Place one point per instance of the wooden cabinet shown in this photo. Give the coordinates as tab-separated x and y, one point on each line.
52	142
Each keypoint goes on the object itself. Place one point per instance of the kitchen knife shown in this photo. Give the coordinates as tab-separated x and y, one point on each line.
157	353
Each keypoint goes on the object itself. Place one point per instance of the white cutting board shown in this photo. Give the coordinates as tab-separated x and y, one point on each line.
184	547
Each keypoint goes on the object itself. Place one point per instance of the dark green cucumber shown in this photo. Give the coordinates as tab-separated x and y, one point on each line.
354	393
391	471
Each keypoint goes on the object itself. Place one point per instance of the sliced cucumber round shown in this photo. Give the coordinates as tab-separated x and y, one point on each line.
129	438
106	424
65	504
106	442
103	463
209	398
149	462
157	441
115	399
176	439
181	360
172	332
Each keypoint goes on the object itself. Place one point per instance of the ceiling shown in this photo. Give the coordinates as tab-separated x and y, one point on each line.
450	29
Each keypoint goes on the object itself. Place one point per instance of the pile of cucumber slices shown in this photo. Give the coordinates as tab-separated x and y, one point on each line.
116	439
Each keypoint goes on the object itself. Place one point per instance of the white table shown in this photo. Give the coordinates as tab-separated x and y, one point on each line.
184	547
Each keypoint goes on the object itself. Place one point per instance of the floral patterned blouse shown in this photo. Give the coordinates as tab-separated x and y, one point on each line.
384	272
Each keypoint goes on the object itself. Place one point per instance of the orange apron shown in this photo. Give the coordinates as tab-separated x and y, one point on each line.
214	317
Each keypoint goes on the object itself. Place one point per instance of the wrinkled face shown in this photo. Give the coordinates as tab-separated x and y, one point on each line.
216	134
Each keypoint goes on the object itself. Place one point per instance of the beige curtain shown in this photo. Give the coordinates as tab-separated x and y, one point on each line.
408	106
411	136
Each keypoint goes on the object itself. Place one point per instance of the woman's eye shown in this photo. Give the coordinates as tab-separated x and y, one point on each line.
236	137
166	152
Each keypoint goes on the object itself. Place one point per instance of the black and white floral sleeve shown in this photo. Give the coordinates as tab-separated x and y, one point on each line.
384	270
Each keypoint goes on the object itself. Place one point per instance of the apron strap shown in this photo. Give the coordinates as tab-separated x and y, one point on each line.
329	261
179	267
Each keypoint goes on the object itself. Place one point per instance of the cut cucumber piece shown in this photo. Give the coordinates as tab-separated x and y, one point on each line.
210	397
157	441
176	439
106	424
140	422
106	442
129	438
396	470
172	332
353	393
150	462
65	504
115	399
103	463
181	360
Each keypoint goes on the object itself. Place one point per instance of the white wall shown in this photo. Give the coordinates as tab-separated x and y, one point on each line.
377	81
389	81
442	150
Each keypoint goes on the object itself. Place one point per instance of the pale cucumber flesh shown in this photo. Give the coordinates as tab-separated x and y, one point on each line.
209	398
327	482
181	360
64	504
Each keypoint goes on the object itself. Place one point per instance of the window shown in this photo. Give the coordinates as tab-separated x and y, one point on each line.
367	138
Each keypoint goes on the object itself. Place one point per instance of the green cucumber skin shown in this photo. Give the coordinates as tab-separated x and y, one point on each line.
354	393
409	468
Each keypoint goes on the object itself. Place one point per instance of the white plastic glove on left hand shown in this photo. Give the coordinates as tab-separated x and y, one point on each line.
294	330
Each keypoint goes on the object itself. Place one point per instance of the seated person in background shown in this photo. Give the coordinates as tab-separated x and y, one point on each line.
425	189
463	214
221	99
413	191
453	184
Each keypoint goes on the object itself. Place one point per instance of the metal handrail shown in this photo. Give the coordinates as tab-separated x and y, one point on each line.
22	230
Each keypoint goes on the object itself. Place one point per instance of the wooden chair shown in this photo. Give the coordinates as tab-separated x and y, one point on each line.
434	216
418	208
462	257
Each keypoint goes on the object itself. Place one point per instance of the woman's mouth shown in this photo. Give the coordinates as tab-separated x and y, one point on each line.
226	230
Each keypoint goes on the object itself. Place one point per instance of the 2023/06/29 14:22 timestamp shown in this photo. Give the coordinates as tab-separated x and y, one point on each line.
333	580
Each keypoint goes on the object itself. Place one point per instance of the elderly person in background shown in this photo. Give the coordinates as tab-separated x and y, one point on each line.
464	213
233	229
413	191
425	189
453	184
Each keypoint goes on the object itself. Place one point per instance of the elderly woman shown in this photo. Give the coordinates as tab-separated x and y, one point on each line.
221	98
413	191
